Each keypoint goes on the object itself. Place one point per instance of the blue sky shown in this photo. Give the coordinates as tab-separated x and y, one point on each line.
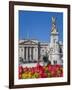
37	25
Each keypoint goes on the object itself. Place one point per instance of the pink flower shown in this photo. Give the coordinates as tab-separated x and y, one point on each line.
32	70
53	73
58	67
50	67
29	69
25	69
41	72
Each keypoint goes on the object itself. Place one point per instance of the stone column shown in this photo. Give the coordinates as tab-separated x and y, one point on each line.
30	54
33	53
26	53
22	53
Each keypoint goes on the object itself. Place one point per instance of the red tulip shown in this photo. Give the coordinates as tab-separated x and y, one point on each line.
58	67
20	69
39	66
50	67
43	75
54	70
25	69
33	70
29	69
41	72
53	73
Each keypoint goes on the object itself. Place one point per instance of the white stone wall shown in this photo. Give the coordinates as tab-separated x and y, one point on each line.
21	52
35	53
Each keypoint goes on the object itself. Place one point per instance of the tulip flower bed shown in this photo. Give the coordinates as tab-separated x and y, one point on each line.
40	71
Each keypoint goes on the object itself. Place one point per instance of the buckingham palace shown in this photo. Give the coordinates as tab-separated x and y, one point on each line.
34	50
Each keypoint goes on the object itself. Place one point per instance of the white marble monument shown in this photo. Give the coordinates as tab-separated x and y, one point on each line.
54	51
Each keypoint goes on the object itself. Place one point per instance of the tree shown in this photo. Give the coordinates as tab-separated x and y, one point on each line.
46	60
